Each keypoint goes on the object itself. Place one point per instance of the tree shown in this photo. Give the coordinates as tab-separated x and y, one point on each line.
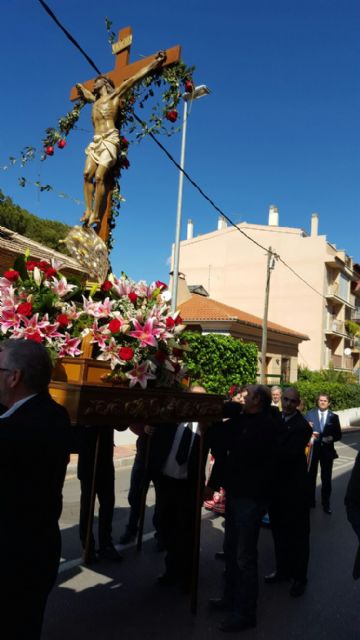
47	232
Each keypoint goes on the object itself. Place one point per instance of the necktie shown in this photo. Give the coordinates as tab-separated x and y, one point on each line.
322	421
182	453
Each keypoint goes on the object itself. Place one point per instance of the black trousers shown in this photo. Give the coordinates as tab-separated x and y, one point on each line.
176	521
139	482
290	526
320	455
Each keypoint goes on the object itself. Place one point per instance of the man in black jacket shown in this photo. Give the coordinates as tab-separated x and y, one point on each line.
289	510
245	453
34	444
326	431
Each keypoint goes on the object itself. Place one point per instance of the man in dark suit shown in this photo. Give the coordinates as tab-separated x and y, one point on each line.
245	454
289	509
326	431
34	445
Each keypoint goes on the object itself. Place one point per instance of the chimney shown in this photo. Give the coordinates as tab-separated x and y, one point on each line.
273	216
190	230
314	224
183	291
221	223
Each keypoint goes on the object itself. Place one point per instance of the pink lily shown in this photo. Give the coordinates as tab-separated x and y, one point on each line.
60	287
145	333
69	347
110	352
140	374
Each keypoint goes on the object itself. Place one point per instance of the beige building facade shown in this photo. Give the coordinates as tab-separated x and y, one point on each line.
233	271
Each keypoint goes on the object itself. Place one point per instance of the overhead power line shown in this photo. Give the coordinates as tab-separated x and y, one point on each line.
172	159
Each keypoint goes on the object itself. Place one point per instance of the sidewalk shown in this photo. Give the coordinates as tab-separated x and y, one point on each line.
123	457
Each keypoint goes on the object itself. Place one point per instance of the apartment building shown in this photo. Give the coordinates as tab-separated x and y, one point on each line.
233	271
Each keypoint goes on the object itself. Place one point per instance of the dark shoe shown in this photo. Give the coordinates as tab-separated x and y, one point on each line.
327	510
110	553
166	580
218	604
274	577
220	555
235	622
127	536
92	558
298	588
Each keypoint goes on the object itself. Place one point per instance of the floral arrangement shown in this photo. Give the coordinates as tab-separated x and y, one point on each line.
129	323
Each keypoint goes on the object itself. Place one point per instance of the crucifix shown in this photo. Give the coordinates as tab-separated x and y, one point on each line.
106	93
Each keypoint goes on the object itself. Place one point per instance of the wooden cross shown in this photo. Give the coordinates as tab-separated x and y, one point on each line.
122	71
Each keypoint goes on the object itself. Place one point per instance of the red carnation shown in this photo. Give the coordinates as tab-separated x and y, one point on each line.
25	309
126	353
188	86
62	319
31	264
12	275
170	322
171	115
133	297
114	325
161	285
106	285
124	142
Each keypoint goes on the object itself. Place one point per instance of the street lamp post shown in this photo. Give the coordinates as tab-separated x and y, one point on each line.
198	92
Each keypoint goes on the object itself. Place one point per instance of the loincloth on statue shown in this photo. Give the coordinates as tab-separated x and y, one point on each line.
105	148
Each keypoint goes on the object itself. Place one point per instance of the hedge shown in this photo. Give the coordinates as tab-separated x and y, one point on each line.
218	361
343	396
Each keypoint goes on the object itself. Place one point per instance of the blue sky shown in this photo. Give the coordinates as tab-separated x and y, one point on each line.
281	125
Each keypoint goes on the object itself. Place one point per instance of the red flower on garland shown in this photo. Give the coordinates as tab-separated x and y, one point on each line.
124	163
124	142
12	275
106	285
126	353
24	309
61	143
188	86
114	325
49	150
171	115
133	297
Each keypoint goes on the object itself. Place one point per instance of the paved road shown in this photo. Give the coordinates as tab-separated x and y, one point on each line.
108	602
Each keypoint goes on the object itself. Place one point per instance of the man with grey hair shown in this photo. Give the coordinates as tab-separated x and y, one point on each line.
34	443
276	396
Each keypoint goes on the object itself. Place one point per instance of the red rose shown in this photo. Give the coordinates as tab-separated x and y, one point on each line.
188	86
31	264
171	115
49	150
62	319
124	163
179	320
160	356
124	142
61	143
44	265
12	275
25	309
161	285
50	272
170	322
126	353
133	297
106	285
114	325
35	337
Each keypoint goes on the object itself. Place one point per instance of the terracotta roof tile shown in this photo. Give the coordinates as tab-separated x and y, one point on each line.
199	308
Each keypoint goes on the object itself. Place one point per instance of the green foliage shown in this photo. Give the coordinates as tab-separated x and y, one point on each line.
48	232
343	396
352	328
326	375
218	361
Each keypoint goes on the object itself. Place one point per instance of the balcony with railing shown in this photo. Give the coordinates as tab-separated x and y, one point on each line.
338	294
336	326
342	362
355	315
